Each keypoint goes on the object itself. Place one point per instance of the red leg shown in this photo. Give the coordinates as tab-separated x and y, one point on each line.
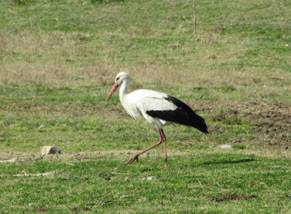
165	148
162	133
162	138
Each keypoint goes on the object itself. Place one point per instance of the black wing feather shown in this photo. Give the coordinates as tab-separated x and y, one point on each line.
183	115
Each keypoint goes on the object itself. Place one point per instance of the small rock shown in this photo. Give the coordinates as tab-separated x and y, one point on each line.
42	126
149	178
47	150
225	146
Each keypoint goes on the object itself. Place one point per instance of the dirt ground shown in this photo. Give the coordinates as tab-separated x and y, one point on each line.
272	121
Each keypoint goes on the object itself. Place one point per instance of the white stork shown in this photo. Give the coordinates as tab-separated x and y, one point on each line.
157	108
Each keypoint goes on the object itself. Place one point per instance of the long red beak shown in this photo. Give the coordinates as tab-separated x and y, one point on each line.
113	89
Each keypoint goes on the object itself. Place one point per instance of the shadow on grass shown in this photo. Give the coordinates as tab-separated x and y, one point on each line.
106	1
228	196
229	161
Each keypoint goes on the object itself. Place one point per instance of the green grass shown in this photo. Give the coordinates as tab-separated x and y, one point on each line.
58	59
201	183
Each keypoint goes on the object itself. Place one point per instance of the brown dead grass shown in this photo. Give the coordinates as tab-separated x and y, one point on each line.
248	85
53	74
46	58
54	58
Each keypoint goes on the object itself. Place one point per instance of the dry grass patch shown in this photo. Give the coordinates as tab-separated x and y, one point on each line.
55	74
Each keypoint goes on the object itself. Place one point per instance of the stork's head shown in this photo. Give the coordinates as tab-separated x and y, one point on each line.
119	79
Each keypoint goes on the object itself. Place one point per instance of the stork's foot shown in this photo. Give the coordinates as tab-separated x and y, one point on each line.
132	159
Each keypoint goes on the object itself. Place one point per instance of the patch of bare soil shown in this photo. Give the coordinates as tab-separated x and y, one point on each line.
82	156
272	122
123	154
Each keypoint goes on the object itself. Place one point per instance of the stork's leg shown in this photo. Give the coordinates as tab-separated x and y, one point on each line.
165	148
161	140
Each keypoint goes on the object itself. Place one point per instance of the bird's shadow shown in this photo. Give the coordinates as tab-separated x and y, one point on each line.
229	161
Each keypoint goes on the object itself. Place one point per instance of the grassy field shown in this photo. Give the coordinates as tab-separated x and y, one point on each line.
229	60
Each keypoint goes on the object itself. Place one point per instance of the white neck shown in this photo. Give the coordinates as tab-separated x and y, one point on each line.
123	89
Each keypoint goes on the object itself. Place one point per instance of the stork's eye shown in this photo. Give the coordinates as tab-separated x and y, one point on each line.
117	78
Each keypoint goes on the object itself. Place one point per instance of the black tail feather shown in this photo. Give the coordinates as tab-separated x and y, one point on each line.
183	115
